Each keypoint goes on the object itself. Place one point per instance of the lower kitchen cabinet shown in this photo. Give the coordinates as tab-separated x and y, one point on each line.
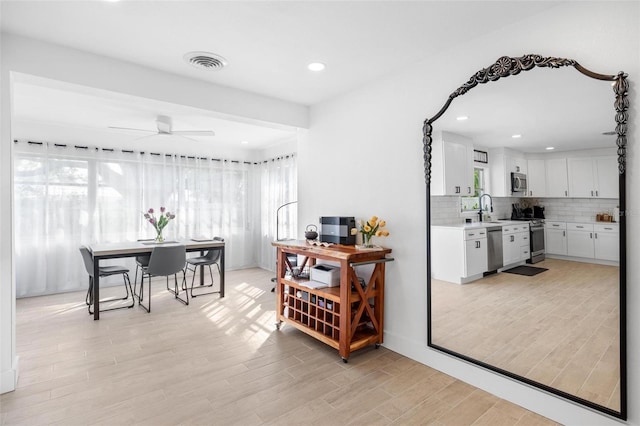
588	241
515	244
476	256
458	255
580	240
607	242
555	238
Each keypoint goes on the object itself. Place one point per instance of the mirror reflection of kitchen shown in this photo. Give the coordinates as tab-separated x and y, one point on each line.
525	241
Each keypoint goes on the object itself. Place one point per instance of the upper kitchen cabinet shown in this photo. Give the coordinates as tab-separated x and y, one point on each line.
505	161
452	168
536	178
556	172
593	177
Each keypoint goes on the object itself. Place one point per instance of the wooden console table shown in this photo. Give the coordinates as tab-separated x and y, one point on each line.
347	317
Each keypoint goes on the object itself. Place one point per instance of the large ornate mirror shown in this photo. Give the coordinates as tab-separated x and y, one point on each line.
526	227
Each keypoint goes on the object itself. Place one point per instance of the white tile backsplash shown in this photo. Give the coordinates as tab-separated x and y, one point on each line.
576	209
445	210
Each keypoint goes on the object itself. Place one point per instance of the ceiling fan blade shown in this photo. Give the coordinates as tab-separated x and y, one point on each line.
130	128
194	132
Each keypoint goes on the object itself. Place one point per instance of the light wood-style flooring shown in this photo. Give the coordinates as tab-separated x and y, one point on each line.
559	328
220	361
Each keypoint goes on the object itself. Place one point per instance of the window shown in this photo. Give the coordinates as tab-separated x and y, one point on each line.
471	204
66	197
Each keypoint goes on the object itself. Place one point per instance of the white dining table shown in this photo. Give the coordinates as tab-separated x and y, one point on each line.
137	248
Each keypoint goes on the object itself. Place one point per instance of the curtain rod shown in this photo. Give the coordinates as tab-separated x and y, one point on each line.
129	151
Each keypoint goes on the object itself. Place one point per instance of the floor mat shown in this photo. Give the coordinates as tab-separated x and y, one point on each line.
525	270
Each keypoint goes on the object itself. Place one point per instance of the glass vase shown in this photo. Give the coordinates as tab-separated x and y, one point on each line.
367	241
159	237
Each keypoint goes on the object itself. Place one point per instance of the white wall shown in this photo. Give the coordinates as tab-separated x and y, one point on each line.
363	156
45	60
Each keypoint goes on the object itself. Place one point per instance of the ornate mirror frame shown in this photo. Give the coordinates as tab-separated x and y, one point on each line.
508	66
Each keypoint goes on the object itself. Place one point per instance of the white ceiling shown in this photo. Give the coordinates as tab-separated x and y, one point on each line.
268	45
559	108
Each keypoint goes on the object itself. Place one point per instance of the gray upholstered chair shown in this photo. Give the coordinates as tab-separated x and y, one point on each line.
165	260
212	257
106	271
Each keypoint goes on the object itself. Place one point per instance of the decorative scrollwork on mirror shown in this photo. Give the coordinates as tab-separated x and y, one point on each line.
511	66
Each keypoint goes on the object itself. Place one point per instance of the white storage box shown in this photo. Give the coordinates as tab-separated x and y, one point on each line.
327	274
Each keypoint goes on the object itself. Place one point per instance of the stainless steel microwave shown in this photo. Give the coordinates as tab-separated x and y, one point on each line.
518	184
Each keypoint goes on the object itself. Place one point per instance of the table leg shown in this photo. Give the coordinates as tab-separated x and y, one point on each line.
96	288
222	272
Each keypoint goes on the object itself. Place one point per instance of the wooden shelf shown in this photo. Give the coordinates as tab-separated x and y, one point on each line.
347	317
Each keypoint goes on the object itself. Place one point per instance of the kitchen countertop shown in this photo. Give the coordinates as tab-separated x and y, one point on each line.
499	222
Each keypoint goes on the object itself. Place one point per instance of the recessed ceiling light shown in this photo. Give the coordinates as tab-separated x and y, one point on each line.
516	136
549	148
462	118
316	66
244	142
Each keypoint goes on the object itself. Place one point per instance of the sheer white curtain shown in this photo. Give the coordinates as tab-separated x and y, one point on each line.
66	196
279	185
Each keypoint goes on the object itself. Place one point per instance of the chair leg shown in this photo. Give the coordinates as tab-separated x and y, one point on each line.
141	295
133	298
202	285
127	287
89	298
176	290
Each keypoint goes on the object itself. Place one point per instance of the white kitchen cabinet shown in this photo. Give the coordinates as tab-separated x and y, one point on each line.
536	178
476	256
504	161
525	244
607	241
515	243
555	238
452	165
608	177
556	172
580	240
458	254
593	177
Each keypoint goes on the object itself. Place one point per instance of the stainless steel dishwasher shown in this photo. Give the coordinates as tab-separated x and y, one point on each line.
494	248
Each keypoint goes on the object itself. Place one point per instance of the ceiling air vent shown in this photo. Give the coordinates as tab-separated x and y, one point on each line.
206	60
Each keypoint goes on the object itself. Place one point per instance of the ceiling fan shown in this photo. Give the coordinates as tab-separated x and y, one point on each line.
164	126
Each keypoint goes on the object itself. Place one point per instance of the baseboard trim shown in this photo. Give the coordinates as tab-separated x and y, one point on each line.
9	378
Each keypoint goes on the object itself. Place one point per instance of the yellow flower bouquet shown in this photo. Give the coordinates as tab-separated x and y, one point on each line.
369	229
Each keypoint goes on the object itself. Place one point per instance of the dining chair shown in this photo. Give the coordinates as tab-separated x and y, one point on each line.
165	260
211	258
106	271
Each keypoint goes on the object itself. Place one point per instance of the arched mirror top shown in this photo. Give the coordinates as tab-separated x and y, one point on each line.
508	66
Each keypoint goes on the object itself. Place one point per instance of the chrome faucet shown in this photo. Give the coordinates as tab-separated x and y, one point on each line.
480	204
